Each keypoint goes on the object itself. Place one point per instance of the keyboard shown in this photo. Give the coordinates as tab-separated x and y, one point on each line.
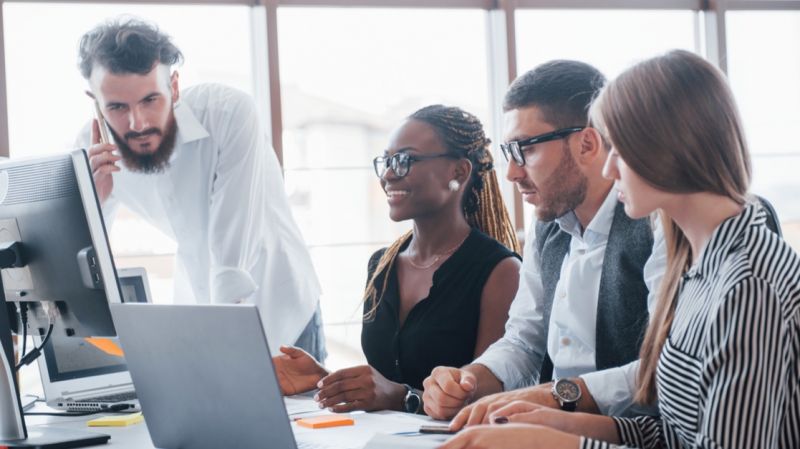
99	403
118	397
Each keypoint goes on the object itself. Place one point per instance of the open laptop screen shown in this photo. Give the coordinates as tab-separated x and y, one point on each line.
73	358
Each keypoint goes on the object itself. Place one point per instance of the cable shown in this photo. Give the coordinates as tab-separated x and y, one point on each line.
23	318
33	355
116	408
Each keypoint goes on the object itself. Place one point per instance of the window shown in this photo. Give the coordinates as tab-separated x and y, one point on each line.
610	40
47	105
764	69
345	86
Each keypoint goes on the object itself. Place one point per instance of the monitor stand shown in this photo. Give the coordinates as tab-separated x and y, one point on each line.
53	438
13	433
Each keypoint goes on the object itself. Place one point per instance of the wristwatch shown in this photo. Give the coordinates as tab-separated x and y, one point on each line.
411	402
566	393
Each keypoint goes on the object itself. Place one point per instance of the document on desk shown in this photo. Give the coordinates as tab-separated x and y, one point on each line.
297	405
386	441
367	426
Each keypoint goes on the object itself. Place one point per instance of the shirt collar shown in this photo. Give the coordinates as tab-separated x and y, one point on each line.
189	128
598	228
728	233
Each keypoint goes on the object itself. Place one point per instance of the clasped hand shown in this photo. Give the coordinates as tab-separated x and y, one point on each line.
357	388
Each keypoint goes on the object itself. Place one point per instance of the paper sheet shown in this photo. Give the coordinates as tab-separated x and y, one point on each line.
367	426
386	441
300	405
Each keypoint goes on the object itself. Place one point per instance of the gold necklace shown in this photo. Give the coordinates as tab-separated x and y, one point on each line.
437	257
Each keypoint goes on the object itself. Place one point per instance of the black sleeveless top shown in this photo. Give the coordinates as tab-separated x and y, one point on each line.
441	330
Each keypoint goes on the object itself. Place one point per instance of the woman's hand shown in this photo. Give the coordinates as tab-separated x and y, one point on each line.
525	412
297	371
359	388
582	424
512	436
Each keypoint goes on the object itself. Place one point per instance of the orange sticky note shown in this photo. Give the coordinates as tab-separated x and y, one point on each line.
106	345
321	422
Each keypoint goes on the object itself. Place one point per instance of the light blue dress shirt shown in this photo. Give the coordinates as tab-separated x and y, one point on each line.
517	358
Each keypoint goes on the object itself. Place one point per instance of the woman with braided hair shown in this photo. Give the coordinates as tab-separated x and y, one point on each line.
440	294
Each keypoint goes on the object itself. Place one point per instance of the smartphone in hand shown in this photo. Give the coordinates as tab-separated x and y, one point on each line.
101	123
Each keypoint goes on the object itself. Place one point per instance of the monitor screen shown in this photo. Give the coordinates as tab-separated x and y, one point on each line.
74	358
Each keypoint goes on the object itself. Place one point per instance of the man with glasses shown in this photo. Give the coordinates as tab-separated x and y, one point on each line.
589	272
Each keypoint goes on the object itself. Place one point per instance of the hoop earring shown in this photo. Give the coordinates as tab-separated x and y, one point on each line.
453	185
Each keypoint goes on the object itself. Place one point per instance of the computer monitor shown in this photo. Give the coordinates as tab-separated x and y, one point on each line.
73	364
64	270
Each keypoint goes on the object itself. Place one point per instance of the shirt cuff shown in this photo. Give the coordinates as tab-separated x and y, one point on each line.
507	364
611	389
589	443
231	285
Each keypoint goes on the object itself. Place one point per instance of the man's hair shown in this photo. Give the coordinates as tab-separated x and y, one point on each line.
561	89
126	46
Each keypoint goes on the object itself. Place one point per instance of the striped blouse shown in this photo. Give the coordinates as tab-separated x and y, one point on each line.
729	373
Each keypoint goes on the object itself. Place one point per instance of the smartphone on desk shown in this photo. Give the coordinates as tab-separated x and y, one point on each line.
439	430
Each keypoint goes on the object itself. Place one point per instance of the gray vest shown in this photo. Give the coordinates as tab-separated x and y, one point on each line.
622	314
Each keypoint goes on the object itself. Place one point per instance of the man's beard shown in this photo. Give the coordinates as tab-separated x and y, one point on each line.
563	191
155	162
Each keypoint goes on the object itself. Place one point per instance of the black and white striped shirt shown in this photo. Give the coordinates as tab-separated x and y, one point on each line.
729	373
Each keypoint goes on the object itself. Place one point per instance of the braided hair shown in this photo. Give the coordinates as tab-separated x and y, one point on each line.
463	136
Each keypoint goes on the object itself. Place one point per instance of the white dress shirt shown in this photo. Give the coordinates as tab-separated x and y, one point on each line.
222	200
517	358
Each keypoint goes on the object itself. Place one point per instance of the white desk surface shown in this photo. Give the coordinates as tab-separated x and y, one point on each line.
350	437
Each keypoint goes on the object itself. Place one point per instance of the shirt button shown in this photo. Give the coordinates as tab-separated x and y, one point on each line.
397	363
562	294
565	341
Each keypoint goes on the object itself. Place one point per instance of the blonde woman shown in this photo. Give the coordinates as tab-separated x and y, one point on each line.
722	352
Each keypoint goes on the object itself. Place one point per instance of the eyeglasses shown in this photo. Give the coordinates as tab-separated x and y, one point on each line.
400	163
513	150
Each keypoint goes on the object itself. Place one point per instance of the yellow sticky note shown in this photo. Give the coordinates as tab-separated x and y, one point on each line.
321	422
117	420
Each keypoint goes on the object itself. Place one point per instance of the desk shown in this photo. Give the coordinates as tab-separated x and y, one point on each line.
351	437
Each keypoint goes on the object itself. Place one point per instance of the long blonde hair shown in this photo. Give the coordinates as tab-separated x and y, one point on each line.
674	121
462	134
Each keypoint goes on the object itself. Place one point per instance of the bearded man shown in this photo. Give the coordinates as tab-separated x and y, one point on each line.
196	164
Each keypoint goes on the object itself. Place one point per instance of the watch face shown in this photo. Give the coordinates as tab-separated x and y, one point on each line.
568	390
412	403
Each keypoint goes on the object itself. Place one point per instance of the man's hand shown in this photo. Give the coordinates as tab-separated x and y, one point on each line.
479	412
103	162
297	371
447	390
359	388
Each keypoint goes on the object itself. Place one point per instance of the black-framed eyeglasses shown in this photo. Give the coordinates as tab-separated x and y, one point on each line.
400	163
514	149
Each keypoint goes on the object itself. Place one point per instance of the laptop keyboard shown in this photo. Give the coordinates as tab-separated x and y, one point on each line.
100	403
111	398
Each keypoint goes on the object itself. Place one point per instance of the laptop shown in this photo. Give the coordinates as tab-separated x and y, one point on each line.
204	376
90	374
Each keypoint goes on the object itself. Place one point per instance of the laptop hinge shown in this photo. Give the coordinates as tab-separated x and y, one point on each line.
94	392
